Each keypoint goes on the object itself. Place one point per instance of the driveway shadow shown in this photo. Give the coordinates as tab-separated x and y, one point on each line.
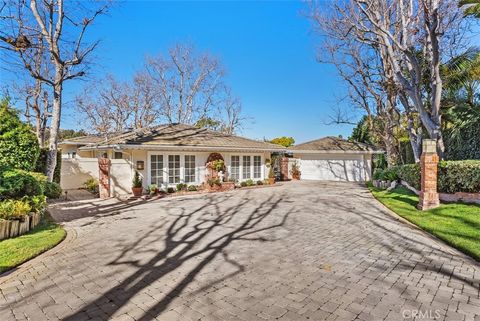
193	237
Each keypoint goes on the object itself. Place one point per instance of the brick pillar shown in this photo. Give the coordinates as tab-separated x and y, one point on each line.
429	162
104	176
284	168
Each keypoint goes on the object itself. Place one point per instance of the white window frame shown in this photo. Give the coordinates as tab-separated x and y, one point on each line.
166	182
194	168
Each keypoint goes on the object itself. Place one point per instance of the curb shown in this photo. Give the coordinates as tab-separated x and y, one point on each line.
70	236
444	245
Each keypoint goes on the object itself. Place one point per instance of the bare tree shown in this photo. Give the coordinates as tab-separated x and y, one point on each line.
410	38
60	26
183	87
116	106
361	67
189	85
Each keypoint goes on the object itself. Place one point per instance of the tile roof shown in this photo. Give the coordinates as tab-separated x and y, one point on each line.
83	140
181	135
331	143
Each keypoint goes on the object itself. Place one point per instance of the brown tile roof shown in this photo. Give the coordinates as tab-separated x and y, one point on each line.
83	140
332	144
180	135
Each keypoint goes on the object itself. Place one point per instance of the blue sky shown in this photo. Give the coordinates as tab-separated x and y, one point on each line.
267	49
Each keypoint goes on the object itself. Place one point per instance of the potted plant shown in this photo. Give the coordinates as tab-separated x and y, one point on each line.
271	176
295	171
137	188
153	189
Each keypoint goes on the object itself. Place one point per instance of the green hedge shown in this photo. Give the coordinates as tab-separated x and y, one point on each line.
459	176
17	183
453	176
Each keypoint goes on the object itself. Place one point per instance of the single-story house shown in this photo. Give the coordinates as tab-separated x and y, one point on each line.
334	159
166	155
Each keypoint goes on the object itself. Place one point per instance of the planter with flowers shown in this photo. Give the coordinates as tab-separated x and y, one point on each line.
137	188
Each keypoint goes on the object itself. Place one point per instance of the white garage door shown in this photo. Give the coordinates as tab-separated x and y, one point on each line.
331	167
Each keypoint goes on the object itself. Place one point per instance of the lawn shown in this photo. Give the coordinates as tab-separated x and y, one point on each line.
458	224
15	251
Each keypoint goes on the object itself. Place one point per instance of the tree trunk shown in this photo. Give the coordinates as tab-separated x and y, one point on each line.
55	125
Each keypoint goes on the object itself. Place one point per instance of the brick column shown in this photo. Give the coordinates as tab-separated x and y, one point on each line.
284	168
429	162
104	176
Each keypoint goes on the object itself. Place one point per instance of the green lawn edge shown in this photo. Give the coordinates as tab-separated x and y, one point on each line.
457	224
18	250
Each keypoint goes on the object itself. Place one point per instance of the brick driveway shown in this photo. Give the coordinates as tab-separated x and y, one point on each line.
304	250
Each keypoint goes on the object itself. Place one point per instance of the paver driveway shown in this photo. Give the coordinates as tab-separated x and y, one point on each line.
304	250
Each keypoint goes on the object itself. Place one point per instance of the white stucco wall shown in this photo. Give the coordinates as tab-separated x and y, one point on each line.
76	171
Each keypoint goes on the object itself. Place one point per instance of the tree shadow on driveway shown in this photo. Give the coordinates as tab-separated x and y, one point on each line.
194	237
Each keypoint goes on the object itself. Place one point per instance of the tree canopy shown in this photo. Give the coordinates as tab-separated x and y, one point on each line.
18	143
284	141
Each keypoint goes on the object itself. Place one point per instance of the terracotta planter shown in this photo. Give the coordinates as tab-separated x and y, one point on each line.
271	181
137	191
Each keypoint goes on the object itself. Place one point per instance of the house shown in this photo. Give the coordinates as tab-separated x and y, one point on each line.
166	155
334	159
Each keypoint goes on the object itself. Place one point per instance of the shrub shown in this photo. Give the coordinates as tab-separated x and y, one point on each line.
170	190
37	203
181	187
91	185
16	183
409	173
18	144
53	190
453	176
14	209
152	189
259	182
459	176
192	188
243	184
249	182
214	181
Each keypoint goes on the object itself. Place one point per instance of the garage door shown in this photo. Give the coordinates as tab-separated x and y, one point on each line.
332	168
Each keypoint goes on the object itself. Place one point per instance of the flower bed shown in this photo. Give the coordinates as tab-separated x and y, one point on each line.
13	228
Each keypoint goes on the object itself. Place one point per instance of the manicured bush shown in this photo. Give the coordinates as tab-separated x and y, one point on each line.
18	144
192	188
459	176
92	185
387	174
53	190
409	173
249	182
17	183
259	182
181	187
243	184
170	190
453	176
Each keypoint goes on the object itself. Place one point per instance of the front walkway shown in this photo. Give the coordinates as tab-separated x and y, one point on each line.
304	250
